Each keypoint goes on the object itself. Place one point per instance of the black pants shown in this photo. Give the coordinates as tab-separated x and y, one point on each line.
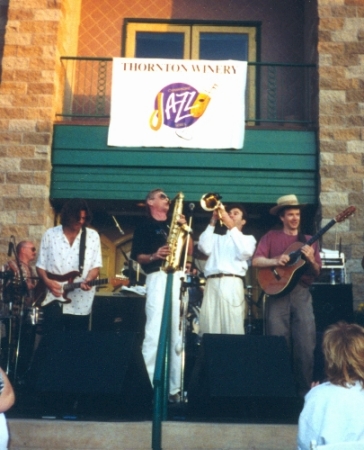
55	320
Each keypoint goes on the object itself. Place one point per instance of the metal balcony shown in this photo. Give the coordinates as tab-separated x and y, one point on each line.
277	94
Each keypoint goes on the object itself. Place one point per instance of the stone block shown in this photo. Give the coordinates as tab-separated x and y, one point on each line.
355	95
333	171
346	134
33	191
356	146
41	88
336	198
330	48
37	138
54	15
332	147
34	164
326	159
29	217
345	59
354	2
16	204
354	47
10	138
7	217
331	96
356	121
344	159
331	23
8	190
21	125
21	151
331	2
10	165
20	177
343	11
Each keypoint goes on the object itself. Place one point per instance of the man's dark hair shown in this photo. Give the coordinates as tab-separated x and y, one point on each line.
71	211
239	206
283	210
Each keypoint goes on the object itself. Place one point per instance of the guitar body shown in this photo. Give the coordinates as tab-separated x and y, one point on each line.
281	280
68	285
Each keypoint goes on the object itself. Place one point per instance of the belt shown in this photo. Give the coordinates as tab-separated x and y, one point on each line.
221	275
157	269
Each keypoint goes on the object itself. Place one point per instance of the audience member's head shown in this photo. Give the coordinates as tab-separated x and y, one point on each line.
343	348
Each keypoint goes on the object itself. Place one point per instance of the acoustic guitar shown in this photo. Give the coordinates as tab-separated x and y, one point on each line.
280	280
45	297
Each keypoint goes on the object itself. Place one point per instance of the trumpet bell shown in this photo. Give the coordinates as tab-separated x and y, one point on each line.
210	201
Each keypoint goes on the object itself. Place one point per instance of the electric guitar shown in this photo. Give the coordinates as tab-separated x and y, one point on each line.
280	280
44	297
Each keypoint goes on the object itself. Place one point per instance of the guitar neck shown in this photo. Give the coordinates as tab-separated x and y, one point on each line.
321	232
98	282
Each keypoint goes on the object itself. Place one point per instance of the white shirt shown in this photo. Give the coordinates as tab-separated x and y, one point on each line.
228	253
331	414
57	256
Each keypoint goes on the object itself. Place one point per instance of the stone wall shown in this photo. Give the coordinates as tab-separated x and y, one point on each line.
35	33
341	128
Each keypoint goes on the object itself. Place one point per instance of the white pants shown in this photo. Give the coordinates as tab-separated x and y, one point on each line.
223	306
4	434
156	288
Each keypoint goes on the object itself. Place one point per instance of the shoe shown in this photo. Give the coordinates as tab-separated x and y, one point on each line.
175	398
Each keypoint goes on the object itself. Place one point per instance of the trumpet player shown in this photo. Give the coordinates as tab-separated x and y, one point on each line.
223	306
150	250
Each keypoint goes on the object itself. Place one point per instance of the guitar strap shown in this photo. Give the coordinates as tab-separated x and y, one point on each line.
82	250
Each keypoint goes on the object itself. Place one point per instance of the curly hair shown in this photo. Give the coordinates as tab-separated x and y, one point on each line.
71	212
343	348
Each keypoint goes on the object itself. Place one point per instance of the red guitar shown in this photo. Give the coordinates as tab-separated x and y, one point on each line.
280	280
44	297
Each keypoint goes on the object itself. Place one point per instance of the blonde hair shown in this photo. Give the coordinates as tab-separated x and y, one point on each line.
343	348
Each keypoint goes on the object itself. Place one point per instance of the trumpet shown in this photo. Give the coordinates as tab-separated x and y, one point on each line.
211	202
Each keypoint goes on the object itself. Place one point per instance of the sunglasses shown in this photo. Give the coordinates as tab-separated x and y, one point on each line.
33	249
163	196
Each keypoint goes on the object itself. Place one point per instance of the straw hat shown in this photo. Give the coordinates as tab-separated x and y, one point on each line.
284	202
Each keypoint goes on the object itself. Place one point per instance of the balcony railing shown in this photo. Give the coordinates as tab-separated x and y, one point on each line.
277	93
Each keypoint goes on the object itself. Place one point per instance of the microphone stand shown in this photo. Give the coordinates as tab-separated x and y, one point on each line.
184	299
24	292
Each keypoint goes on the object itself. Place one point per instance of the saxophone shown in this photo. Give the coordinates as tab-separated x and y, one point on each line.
176	238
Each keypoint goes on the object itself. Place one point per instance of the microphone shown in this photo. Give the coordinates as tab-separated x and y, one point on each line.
118	226
11	245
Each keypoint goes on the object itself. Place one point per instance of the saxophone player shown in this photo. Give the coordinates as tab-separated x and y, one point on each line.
150	250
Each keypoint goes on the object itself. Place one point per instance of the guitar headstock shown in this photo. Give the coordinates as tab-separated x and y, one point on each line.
117	282
345	214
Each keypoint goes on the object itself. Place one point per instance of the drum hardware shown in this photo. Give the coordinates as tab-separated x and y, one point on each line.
250	327
34	315
6	275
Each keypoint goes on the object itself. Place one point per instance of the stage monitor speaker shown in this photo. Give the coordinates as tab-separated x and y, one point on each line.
231	369
92	363
331	303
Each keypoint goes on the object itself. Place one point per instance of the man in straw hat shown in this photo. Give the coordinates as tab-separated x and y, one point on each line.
290	314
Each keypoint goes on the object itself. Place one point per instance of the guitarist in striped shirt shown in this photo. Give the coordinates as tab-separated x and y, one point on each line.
289	311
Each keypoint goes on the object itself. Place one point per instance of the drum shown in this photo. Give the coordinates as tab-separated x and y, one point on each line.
34	315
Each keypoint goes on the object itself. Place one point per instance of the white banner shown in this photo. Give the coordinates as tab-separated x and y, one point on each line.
177	103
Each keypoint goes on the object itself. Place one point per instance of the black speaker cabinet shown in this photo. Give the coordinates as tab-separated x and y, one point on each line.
92	363
232	369
331	303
